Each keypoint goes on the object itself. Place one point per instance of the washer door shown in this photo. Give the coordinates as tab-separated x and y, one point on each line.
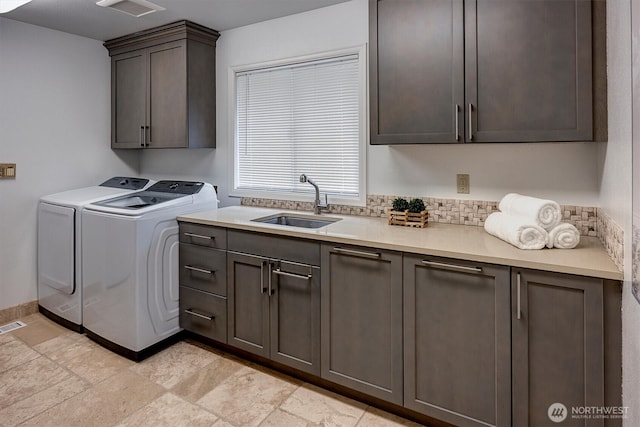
56	247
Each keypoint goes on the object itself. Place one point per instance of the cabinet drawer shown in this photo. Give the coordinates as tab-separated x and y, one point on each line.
203	235
283	248
203	268
203	313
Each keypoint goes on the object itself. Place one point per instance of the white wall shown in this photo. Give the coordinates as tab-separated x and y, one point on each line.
616	186
565	172
631	307
55	125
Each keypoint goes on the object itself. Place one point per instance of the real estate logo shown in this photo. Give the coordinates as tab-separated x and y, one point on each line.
557	412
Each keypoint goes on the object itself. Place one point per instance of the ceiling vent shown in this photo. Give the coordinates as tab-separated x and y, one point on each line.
135	8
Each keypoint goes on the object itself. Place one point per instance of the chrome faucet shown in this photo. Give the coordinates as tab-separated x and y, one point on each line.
318	206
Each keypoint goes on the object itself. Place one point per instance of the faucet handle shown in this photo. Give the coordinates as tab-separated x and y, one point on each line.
324	205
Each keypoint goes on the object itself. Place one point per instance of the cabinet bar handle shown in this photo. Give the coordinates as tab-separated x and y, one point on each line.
457	122
199	270
279	272
358	253
146	144
270	281
518	308
141	136
470	123
262	288
452	266
190	312
199	236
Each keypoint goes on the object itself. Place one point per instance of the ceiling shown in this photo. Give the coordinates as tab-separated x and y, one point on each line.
85	18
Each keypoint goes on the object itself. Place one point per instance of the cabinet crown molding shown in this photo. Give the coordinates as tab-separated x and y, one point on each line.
178	30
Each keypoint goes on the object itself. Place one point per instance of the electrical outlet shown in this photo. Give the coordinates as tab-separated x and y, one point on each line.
7	170
463	183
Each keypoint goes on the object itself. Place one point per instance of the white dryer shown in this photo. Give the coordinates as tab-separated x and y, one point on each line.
60	246
130	265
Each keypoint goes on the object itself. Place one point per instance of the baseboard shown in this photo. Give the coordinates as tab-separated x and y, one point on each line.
16	312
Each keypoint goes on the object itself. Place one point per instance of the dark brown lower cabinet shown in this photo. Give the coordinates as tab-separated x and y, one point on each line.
203	281
557	344
362	320
457	357
467	343
274	310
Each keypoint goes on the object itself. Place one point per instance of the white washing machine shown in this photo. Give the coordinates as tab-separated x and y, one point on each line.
60	246
130	265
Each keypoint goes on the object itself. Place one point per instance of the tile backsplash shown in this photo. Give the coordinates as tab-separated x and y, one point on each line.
612	237
590	221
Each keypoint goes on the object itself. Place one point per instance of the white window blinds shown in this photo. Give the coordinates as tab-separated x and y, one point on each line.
299	118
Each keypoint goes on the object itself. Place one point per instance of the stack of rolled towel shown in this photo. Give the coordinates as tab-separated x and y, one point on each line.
531	223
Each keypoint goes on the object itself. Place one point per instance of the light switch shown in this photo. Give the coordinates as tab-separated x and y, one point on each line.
463	183
7	170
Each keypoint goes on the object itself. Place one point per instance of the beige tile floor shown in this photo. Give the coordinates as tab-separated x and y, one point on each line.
50	376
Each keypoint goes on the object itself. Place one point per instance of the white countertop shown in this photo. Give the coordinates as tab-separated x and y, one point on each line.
471	243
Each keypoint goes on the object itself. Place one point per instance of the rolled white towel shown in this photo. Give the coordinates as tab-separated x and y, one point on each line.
544	213
521	232
563	236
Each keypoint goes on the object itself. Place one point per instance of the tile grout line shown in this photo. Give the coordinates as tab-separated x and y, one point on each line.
364	412
64	368
278	407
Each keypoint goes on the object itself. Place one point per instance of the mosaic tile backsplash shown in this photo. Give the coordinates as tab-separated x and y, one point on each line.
612	237
590	221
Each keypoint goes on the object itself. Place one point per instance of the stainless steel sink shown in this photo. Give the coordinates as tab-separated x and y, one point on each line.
293	220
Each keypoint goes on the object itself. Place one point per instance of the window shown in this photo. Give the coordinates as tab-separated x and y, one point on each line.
306	116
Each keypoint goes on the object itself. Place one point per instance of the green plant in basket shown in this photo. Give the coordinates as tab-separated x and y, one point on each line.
400	204
416	206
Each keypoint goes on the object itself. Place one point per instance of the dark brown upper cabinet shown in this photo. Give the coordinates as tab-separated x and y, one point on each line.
163	87
445	71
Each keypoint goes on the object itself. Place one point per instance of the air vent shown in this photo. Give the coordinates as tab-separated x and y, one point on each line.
11	326
135	8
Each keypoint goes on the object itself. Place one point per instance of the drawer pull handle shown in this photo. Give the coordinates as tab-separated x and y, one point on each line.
457	122
519	307
199	236
190	312
470	122
294	275
358	253
452	266
263	289
199	270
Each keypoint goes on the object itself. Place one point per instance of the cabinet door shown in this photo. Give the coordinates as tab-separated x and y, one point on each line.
167	114
128	99
248	303
457	359
361	316
528	70
295	316
557	339
416	71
